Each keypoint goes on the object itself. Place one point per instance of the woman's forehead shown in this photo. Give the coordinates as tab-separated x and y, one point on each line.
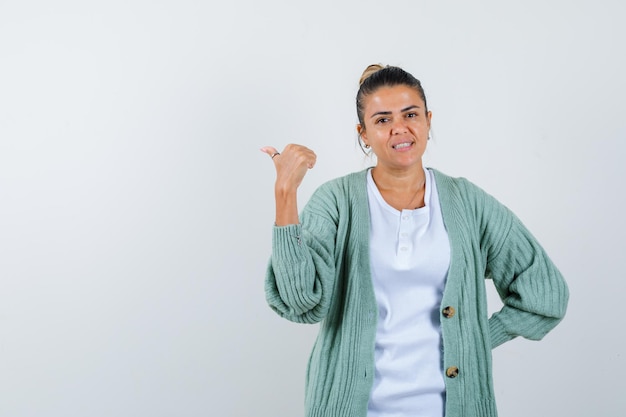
395	98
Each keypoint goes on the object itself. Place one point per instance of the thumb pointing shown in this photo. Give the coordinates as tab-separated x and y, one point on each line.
269	150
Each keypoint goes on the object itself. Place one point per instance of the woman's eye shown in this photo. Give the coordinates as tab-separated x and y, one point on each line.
382	120
410	115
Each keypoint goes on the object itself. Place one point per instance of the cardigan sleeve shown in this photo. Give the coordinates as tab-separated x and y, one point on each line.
301	272
532	289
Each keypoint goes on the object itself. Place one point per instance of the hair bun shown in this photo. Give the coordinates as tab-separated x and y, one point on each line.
371	69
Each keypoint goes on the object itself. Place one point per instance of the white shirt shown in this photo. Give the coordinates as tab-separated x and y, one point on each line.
410	256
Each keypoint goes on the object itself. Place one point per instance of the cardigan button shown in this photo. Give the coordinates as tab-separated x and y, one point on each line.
448	312
452	372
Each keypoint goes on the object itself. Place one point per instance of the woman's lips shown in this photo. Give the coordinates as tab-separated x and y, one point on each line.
402	145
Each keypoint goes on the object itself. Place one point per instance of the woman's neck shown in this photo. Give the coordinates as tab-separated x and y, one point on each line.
399	181
402	190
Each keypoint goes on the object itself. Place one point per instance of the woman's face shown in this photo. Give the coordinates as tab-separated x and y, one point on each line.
396	126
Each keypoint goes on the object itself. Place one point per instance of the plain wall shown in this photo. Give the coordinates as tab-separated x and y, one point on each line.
136	209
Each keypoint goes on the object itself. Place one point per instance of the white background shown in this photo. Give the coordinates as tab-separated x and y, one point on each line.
136	209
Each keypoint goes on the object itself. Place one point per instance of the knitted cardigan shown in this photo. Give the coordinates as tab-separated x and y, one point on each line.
319	271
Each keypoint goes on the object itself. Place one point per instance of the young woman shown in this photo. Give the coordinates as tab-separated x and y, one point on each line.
392	261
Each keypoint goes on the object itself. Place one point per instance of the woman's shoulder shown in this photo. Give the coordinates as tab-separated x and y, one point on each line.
457	189
449	183
340	191
334	196
346	183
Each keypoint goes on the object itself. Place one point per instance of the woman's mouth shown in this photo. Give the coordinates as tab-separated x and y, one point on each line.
403	145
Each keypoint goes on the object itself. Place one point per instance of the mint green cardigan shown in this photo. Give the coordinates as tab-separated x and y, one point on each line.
319	271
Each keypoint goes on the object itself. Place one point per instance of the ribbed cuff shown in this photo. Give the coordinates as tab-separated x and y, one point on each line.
287	242
497	332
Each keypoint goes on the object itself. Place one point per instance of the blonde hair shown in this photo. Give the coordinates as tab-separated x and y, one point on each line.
371	69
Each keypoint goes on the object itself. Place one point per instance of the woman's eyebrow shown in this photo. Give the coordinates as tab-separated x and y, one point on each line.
386	113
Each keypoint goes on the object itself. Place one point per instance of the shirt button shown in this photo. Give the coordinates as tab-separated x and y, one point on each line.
403	234
403	248
448	312
452	372
405	217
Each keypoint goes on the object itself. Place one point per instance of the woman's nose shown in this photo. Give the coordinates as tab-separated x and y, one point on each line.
398	126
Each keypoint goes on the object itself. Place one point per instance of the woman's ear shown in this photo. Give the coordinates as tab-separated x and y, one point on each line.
362	135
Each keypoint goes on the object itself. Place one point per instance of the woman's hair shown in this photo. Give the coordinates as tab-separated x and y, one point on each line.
376	76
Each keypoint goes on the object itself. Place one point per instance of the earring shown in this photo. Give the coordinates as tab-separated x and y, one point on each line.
367	146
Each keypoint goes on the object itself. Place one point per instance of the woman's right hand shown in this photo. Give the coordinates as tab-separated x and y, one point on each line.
291	167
